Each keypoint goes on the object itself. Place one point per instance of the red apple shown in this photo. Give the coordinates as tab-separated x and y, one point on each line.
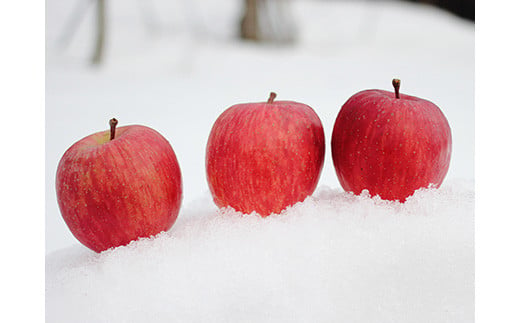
264	156
114	187
390	144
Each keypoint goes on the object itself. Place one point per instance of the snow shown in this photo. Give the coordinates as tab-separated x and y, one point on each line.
334	257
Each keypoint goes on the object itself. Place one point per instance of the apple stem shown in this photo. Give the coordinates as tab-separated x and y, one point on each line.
272	96
113	124
397	84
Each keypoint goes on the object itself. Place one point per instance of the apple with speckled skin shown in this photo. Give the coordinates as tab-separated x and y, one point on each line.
118	185
264	156
390	144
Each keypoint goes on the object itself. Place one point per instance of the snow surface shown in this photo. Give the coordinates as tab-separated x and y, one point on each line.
335	257
175	66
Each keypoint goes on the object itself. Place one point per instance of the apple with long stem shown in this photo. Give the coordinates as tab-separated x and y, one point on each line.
390	144
264	156
119	185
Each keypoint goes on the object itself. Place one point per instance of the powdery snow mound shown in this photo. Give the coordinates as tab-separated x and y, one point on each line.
336	257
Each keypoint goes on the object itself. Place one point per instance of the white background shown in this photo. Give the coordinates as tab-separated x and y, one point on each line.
496	186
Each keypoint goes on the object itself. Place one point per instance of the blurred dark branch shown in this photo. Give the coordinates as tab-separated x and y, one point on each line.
249	28
100	32
267	21
462	8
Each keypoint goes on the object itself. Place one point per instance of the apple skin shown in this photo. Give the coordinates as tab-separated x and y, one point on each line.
111	192
264	157
390	146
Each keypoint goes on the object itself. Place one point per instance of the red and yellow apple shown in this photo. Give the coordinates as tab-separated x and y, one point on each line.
265	156
390	144
116	186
